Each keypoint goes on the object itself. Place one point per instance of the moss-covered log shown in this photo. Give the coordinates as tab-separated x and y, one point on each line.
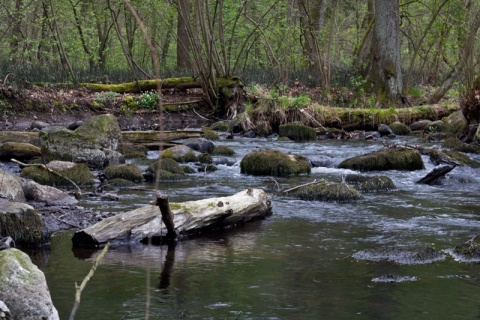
148	85
152	139
189	218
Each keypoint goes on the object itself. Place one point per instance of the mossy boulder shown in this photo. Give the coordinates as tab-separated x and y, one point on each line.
326	191
11	188
19	151
370	183
94	143
400	129
297	131
124	171
223	151
462	158
169	170
436	127
180	153
77	172
419	125
130	150
273	163
23	287
385	159
209	134
457	145
456	124
199	144
221	126
22	223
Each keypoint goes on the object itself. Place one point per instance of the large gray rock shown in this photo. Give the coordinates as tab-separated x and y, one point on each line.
23	287
21	222
456	123
200	144
11	188
94	143
4	311
52	196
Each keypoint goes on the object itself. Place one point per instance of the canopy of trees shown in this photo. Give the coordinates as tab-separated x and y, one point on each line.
319	42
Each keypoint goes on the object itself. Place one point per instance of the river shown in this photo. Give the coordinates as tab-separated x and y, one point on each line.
306	261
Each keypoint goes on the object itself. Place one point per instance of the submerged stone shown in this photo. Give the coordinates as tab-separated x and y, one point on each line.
400	255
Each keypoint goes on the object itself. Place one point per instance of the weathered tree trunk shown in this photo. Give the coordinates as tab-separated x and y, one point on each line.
189	218
436	174
386	72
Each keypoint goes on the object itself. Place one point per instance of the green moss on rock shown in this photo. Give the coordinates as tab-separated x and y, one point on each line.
326	191
223	150
169	170
18	150
78	173
297	131
273	163
209	134
385	159
124	171
400	129
370	184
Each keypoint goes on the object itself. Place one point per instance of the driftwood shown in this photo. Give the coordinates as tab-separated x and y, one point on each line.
189	218
436	174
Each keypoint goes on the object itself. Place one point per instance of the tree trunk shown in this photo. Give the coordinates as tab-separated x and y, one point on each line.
464	56
189	218
183	42
386	72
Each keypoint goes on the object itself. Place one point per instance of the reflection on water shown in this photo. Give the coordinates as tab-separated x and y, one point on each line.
297	264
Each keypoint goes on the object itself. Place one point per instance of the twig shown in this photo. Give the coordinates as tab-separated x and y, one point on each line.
312	118
79	289
279	187
44	167
302	185
200	115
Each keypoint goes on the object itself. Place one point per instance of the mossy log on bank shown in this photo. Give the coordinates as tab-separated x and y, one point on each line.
149	85
152	139
189	218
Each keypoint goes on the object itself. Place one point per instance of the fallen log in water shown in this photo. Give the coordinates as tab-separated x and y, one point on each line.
189	218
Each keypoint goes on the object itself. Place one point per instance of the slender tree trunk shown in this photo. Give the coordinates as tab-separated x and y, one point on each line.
17	29
386	72
464	55
183	42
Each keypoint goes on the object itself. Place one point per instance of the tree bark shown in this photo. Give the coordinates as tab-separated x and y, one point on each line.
190	218
464	55
183	41
386	72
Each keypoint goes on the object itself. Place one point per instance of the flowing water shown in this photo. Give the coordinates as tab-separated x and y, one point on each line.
309	260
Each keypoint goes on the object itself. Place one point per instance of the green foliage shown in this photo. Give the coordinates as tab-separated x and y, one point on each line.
103	97
149	100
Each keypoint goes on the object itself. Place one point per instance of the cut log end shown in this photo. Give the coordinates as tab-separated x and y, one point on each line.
83	239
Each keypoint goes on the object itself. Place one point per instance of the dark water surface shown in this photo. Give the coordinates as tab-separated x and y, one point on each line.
306	261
